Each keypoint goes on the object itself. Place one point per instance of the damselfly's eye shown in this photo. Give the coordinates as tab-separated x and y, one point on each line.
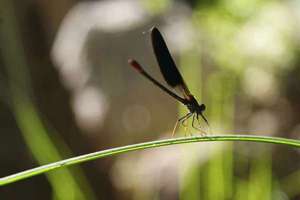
202	107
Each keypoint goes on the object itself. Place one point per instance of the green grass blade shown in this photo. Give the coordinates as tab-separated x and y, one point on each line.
153	144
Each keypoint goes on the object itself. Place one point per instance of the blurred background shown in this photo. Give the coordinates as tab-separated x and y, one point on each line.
66	89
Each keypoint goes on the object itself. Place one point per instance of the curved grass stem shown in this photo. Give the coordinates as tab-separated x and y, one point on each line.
140	146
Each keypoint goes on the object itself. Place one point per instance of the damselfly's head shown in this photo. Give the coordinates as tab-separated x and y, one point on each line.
201	108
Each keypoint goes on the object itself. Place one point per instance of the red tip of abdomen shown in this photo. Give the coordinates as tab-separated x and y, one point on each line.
135	65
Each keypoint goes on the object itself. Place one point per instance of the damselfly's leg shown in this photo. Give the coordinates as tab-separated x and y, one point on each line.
193	124
185	125
182	119
185	119
199	129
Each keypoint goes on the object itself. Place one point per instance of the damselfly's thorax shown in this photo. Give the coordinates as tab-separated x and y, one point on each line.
193	105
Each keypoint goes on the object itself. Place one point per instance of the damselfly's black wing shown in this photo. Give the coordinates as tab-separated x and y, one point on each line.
166	63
